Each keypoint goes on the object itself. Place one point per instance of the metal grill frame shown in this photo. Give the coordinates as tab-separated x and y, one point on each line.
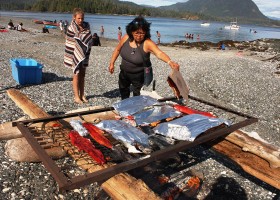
66	183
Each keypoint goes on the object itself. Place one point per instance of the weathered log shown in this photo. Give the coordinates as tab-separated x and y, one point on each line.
121	186
7	131
19	150
268	152
250	163
23	103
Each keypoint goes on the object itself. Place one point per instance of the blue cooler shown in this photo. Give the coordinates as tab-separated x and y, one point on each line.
26	71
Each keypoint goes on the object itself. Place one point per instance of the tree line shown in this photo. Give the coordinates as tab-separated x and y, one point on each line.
95	7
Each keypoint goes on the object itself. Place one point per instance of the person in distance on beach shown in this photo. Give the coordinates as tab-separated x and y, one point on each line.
77	50
158	37
45	30
133	47
96	40
11	25
20	27
61	26
119	33
102	31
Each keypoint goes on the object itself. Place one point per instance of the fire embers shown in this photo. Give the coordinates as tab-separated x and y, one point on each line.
188	185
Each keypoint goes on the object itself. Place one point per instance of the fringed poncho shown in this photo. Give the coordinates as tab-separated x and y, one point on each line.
77	46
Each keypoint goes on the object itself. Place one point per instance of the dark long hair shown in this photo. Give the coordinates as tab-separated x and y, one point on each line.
137	23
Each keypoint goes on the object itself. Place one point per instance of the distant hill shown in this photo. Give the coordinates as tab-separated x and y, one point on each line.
89	6
274	18
245	10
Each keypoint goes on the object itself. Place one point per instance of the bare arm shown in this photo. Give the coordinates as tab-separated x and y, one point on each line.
116	54
150	46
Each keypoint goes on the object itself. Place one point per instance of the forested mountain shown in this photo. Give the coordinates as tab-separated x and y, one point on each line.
215	10
16	4
244	10
89	6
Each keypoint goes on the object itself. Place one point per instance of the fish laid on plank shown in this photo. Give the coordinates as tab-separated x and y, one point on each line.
189	111
98	135
84	144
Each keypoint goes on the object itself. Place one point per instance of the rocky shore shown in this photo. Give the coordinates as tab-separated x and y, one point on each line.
244	77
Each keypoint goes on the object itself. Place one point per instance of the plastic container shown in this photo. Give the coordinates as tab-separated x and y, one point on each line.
26	71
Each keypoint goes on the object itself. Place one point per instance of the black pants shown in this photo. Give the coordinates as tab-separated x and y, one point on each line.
126	79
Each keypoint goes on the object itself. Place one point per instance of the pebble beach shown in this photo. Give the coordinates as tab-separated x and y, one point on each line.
244	81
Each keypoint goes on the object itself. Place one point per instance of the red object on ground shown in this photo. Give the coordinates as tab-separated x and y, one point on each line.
56	125
85	145
98	135
187	110
190	189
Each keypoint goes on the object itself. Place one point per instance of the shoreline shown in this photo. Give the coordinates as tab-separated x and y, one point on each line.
234	78
188	43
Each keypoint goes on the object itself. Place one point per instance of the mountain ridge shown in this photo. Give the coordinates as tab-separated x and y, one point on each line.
206	10
246	11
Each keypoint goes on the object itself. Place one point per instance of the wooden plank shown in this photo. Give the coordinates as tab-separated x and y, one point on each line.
249	144
7	131
250	163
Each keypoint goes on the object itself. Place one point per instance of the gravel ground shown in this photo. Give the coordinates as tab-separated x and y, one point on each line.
231	78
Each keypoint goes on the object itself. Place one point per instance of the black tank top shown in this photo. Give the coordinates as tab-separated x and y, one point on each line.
132	59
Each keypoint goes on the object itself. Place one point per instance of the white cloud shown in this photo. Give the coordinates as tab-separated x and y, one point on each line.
269	7
156	3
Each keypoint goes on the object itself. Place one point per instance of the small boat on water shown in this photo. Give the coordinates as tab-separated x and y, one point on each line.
205	24
36	21
50	27
233	26
49	22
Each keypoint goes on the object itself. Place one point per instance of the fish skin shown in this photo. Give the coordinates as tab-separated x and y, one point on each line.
98	135
158	141
85	145
189	111
173	87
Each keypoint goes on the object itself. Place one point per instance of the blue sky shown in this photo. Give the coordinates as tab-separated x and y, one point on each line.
267	7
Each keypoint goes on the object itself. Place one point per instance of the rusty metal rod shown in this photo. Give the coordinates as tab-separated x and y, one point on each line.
208	103
44	157
58	117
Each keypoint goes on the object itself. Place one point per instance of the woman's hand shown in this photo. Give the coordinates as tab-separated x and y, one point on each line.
173	65
111	69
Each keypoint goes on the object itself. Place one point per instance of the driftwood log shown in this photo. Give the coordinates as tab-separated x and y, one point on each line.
249	144
121	186
19	150
250	163
7	131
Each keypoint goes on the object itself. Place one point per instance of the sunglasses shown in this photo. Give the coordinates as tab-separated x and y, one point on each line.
139	33
141	23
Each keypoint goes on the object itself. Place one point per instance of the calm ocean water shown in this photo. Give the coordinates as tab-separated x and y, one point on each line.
171	29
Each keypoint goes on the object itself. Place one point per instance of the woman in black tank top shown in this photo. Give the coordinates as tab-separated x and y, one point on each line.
134	47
